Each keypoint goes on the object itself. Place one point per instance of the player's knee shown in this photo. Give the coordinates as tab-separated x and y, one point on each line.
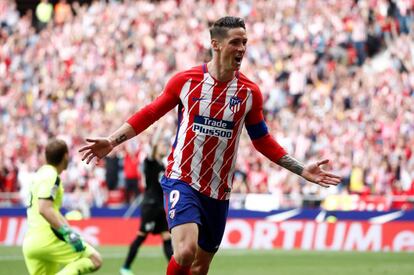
201	264
199	269
96	259
185	254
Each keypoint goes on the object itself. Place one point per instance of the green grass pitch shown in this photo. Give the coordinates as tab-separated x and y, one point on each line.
150	261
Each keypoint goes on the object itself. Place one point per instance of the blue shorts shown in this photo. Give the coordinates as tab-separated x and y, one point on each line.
187	205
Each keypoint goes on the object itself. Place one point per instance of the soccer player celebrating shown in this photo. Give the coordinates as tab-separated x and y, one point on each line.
153	218
49	242
214	101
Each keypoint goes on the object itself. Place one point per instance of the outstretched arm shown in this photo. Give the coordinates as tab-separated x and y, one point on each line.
268	146
101	146
313	172
141	120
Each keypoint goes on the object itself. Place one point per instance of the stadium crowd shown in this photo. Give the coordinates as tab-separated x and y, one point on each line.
337	78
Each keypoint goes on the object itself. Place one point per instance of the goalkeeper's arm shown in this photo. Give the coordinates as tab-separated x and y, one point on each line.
60	225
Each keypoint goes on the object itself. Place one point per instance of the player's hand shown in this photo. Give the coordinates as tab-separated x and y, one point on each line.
316	174
98	147
72	238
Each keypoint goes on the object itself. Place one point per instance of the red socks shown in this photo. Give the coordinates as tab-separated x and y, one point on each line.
175	269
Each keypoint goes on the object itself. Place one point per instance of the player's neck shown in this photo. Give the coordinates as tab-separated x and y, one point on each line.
59	168
218	72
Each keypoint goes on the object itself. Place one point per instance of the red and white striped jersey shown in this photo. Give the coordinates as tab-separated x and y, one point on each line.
211	116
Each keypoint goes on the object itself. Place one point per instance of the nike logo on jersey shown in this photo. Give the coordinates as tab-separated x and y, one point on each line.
215	100
199	98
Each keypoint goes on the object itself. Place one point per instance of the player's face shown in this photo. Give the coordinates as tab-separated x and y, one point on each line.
233	48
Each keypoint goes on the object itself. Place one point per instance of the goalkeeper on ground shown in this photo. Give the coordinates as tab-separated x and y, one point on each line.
50	246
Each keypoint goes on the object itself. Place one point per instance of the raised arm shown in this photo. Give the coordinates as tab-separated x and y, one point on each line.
268	146
138	122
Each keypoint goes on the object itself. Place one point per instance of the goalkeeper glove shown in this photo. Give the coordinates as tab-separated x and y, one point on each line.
72	238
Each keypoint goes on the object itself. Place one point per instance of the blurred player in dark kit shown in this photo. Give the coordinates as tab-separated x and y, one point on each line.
153	218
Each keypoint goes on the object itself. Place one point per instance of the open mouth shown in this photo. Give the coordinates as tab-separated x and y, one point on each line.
238	59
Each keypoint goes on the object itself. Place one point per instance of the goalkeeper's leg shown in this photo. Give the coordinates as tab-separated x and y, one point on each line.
34	267
36	251
83	265
86	261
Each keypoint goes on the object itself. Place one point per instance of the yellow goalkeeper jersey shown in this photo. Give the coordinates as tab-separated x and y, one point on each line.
46	185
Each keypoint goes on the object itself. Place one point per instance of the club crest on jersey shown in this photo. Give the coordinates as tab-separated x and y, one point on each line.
235	104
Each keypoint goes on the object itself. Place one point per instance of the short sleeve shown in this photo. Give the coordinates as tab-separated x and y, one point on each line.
49	187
